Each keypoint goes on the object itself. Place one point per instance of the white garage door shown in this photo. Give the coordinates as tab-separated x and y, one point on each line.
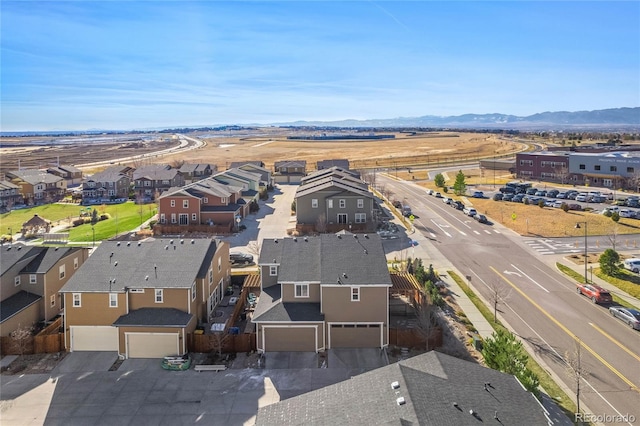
94	338
152	345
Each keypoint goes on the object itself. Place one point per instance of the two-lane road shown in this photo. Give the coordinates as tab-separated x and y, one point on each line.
540	305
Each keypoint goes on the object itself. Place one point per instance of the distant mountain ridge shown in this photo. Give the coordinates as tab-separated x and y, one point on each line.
604	119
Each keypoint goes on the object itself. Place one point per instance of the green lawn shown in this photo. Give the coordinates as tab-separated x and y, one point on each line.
123	217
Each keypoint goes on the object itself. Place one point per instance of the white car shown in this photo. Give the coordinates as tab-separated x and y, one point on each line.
627	213
447	200
632	264
469	211
582	197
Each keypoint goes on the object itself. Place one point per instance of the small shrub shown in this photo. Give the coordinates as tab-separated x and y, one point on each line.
607	213
615	216
565	207
445	189
541	203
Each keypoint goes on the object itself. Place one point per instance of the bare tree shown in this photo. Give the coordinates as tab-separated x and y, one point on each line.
576	369
21	338
563	175
633	182
497	294
253	247
177	163
219	341
613	236
425	319
321	223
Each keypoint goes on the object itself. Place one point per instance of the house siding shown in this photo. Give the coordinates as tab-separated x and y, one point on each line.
372	307
289	295
25	318
267	280
94	310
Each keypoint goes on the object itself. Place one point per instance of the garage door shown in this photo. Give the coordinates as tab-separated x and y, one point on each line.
299	339
354	336
94	338
151	345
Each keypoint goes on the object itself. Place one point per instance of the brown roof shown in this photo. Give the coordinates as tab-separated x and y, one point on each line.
404	281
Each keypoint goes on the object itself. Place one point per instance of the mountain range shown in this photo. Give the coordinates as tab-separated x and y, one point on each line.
604	119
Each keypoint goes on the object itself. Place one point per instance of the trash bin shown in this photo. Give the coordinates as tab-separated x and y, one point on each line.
243	316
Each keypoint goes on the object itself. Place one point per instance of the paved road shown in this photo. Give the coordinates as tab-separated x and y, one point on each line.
541	305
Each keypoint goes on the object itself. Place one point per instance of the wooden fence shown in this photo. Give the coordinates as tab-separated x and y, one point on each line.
48	340
407	338
231	343
187	231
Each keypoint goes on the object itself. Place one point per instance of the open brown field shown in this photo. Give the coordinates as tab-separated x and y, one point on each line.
406	150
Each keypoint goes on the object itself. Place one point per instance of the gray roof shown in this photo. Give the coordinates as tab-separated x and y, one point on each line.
270	308
325	164
34	177
241	174
290	163
242	163
156	317
107	176
333	183
438	390
338	172
48	258
16	256
155	172
357	259
16	303
152	263
5	184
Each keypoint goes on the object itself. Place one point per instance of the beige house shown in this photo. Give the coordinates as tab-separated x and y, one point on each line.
142	298
323	292
30	280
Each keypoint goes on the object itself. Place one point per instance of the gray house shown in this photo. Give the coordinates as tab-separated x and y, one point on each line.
428	389
334	199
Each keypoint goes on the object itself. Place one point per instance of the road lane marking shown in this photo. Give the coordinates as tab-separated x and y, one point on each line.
462	233
476	232
441	227
496	231
532	280
566	330
620	345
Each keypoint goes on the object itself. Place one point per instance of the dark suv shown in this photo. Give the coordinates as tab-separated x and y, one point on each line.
238	258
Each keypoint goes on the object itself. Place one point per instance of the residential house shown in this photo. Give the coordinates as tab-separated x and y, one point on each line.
193	172
30	279
142	298
105	186
333	199
118	168
152	180
342	163
291	171
71	174
38	186
322	292
9	195
428	389
255	167
204	203
248	181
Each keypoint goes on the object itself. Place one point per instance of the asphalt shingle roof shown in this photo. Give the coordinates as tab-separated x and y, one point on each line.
155	317
152	263
48	258
270	308
438	389
14	304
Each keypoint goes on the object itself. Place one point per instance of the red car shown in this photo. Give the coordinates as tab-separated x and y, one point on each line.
596	293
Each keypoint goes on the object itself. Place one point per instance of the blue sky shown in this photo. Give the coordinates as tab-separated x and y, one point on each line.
143	64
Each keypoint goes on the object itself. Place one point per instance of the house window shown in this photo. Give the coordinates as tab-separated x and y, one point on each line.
77	300
330	204
342	218
173	203
159	295
113	300
162	218
16	281
582	167
219	264
361	217
211	274
596	167
360	203
194	217
33	278
314	203
342	203
193	291
205	200
61	271
355	294
75	263
223	200
613	168
629	169
173	218
184	219
302	290
52	300
273	270
136	290
185	204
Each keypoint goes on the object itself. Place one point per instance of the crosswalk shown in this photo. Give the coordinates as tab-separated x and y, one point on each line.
548	246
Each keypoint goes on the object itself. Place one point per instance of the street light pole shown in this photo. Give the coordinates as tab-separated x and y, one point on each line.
585	249
94	235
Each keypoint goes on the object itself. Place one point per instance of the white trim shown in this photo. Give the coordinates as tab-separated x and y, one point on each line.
356	285
126	340
302	286
315	327
381	324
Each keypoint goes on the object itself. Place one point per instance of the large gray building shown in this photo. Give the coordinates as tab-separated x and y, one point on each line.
611	169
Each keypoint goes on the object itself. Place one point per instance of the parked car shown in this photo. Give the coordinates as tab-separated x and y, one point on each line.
562	195
457	205
632	264
576	207
541	193
531	191
480	218
582	197
632	202
627	213
507	197
598	199
571	195
447	200
627	315
238	258
478	194
553	193
508	190
518	198
558	204
429	191
438	195
596	293
469	211
397	204
497	196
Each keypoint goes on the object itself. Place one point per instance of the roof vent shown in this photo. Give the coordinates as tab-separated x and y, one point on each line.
306	239
366	236
193	241
275	241
170	241
473	413
118	243
166	247
139	243
115	263
339	237
395	385
295	239
146	277
181	241
401	401
355	236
